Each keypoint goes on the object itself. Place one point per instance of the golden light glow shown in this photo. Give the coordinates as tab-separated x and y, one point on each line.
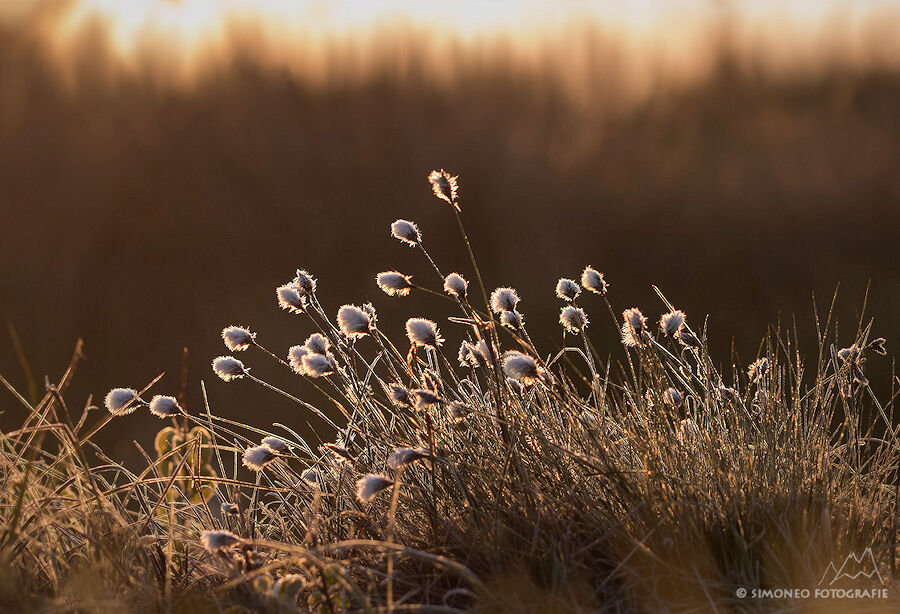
651	38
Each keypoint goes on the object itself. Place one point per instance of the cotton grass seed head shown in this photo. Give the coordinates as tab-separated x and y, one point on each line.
229	508
275	444
353	321
317	343
468	355
216	541
163	406
455	285
305	281
592	279
122	401
634	327
318	365
406	231
258	457
398	394
520	367
423	333
688	339
504	299
229	368
511	319
573	319
423	398
338	452
394	283
405	456
670	322
445	186
295	358
290	298
370	485
567	289
237	338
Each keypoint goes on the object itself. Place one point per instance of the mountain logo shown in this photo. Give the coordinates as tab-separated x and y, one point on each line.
852	568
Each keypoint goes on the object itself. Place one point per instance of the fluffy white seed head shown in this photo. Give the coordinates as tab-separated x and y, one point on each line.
398	394
317	343
370	485
229	368
511	319
317	365
573	319
424	398
592	279
290	298
567	289
353	321
423	332
456	285
634	327
163	406
122	401
258	457
520	367
216	541
295	358
406	231
237	338
445	186
275	444
305	282
405	456
394	283
468	355
504	299
670	322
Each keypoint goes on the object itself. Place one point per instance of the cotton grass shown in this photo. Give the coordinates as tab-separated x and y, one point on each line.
122	401
445	186
423	332
567	289
229	368
406	231
237	338
573	319
456	285
258	457
394	283
370	485
163	406
353	321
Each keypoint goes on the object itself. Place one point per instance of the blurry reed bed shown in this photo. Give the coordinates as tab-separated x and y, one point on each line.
473	469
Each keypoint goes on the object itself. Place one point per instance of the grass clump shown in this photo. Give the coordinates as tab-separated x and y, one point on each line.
502	477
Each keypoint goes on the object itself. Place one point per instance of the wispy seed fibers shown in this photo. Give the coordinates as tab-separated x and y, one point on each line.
423	332
229	368
353	321
370	485
163	406
258	457
406	231
456	285
122	401
394	283
237	338
567	289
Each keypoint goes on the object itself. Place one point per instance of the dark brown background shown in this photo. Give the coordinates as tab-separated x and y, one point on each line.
144	217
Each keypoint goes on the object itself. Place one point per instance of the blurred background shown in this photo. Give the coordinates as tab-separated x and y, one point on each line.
164	165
